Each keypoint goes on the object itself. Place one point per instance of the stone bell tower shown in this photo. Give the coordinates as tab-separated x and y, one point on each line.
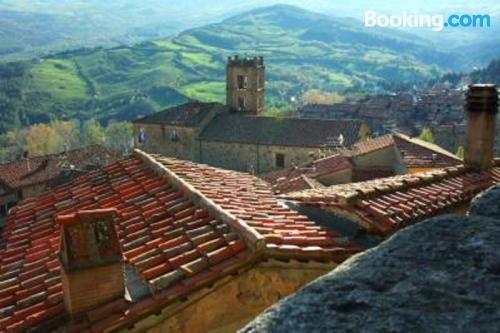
245	84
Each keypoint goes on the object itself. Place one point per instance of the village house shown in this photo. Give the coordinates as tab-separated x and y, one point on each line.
384	156
30	176
382	113
155	244
237	136
382	206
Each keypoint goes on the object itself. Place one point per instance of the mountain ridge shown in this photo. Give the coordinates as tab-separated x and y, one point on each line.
324	53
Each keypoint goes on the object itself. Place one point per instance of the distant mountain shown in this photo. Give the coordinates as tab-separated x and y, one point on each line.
34	28
303	51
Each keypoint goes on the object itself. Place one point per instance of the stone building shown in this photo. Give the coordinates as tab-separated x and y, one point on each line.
382	206
384	156
236	135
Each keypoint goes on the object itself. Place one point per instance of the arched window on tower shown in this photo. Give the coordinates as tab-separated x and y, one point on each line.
242	82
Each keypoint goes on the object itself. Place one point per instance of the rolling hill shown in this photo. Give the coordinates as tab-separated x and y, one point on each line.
303	51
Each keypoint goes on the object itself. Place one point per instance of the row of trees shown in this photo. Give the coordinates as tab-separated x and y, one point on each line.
58	136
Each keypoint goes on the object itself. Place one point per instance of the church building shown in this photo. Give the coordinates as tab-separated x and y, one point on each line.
238	136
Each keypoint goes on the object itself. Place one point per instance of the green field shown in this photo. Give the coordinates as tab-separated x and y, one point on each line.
59	78
303	51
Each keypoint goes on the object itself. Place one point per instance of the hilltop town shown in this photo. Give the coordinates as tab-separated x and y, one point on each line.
221	210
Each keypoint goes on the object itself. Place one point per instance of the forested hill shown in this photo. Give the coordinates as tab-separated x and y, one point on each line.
490	74
303	51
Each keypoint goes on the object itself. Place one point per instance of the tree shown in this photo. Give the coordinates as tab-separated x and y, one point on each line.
426	135
93	133
16	142
460	152
42	139
69	133
119	136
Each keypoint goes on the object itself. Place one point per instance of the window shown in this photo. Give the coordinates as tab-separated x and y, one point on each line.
141	139
280	160
175	136
241	102
242	82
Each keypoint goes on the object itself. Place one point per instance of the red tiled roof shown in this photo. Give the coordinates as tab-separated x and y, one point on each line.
370	145
36	170
181	225
305	175
414	152
385	205
418	153
299	183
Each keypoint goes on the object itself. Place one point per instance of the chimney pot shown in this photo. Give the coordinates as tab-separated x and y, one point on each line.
91	260
481	107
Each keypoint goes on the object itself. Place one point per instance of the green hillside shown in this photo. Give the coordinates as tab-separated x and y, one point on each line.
303	51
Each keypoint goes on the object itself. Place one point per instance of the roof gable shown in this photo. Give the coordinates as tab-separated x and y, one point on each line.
418	153
414	152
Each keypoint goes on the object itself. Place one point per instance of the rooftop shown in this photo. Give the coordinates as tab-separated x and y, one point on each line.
234	127
414	152
190	114
305	176
385	205
181	226
36	170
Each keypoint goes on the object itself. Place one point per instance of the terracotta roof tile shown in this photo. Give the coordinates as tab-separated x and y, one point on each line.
305	176
414	152
384	205
180	224
36	170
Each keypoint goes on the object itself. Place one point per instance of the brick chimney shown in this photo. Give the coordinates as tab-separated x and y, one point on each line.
91	259
481	107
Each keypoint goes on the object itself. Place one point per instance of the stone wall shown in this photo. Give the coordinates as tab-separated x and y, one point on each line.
253	94
245	157
341	177
159	141
387	157
233	301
